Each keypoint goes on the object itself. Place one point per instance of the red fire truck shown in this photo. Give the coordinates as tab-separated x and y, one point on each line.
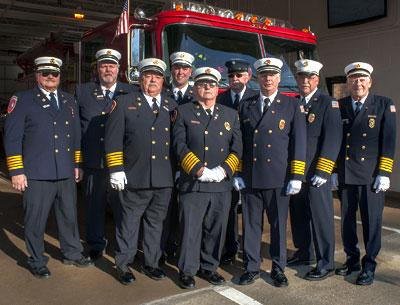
213	35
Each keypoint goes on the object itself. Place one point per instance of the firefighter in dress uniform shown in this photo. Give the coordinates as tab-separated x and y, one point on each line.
364	166
94	101
207	142
42	143
239	74
274	145
182	93
311	211
139	157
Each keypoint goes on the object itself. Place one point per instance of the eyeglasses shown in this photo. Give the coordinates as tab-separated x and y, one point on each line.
47	73
232	75
205	84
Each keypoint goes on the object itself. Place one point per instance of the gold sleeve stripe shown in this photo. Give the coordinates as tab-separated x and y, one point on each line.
115	159
386	164
239	168
78	156
232	162
297	167
189	161
14	162
325	165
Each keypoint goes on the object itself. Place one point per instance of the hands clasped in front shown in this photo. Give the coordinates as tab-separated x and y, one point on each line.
216	174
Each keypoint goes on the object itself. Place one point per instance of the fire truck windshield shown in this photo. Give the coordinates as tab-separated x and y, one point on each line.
214	46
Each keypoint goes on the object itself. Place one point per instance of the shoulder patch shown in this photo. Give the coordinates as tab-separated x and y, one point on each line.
335	104
392	108
12	103
113	105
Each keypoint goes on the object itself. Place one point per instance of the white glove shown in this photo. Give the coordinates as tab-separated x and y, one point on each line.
381	183
318	180
218	173
334	182
118	180
293	187
206	176
238	183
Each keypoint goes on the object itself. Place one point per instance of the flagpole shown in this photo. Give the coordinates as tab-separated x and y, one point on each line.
129	10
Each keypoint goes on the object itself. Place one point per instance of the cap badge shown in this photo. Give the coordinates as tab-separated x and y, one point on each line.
182	56
208	70
358	66
282	124
155	62
227	126
267	62
52	61
108	52
305	63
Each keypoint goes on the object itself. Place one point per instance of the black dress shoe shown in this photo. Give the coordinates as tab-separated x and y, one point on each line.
125	276
41	272
347	269
295	261
318	274
212	277
249	277
279	278
95	254
82	262
153	273
365	278
227	259
186	281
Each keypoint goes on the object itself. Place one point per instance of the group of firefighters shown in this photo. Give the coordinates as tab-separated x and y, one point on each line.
173	161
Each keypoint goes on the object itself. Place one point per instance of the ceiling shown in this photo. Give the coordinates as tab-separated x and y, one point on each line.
25	23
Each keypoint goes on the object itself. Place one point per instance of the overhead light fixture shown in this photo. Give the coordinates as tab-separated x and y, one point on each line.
79	16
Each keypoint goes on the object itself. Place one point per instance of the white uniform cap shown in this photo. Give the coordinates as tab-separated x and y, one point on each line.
361	68
109	55
206	73
181	58
268	64
152	64
308	66
48	63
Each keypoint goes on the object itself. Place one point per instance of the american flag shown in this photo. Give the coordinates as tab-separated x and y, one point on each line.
122	27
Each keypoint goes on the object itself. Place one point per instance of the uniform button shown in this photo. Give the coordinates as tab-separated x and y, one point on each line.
362	159
273	111
363	147
347	158
66	122
256	131
255	159
268	160
101	125
153	128
270	131
153	157
54	123
206	148
166	128
221	133
166	143
68	135
205	163
55	136
255	145
222	149
347	146
153	142
68	149
206	132
166	157
348	134
364	134
103	113
101	139
269	145
56	150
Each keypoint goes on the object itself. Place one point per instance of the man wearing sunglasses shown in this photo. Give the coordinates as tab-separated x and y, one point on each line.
42	143
94	101
311	210
239	74
207	142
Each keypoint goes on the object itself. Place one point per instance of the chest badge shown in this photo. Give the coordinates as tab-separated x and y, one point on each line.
282	124
227	126
371	123
311	118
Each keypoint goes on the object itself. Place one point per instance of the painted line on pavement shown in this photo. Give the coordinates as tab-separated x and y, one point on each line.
236	296
383	227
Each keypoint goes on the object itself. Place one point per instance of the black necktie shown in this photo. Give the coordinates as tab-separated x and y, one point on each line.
209	113
155	108
305	105
236	101
358	108
53	100
180	97
267	103
108	94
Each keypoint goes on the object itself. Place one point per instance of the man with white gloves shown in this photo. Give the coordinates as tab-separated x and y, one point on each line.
208	145
274	153
140	160
364	166
311	211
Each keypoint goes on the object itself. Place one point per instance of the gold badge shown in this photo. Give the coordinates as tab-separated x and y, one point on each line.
311	117
371	123
52	61
108	52
208	71
267	62
282	124
227	126
305	63
155	62
358	66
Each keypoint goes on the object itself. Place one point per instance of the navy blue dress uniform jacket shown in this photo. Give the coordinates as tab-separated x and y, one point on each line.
369	140
324	135
93	110
200	141
186	98
41	141
225	98
138	142
274	144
